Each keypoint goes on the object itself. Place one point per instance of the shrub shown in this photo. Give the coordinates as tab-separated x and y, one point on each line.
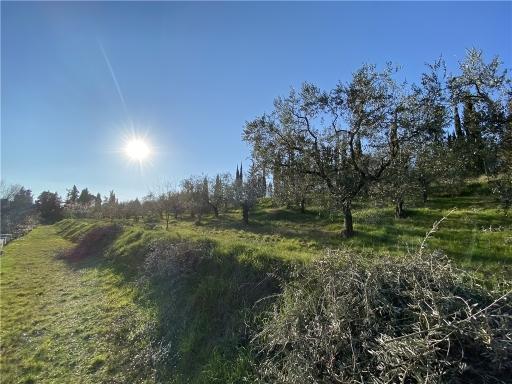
502	190
174	260
151	222
343	319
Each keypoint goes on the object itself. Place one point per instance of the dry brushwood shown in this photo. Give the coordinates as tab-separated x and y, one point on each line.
345	320
174	260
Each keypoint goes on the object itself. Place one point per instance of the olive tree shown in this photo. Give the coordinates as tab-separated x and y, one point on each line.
397	184
249	192
220	192
195	191
165	201
345	138
291	188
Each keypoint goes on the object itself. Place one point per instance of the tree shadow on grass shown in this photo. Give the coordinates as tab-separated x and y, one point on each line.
90	249
202	303
209	310
260	227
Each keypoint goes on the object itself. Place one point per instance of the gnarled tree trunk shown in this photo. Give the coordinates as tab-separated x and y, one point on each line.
303	205
245	213
399	209
215	209
348	222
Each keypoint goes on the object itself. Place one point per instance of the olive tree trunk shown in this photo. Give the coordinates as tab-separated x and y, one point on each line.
245	213
399	209
348	222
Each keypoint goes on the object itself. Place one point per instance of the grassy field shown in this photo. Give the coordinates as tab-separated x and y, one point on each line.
57	318
94	320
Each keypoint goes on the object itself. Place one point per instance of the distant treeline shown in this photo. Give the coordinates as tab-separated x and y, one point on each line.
195	197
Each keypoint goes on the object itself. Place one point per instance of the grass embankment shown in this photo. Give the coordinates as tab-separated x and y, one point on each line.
202	304
102	318
109	317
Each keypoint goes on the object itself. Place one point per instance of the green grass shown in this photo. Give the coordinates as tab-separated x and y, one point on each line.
203	315
92	320
476	234
290	235
56	318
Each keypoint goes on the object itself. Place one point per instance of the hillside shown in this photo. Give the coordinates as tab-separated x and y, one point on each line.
111	309
255	192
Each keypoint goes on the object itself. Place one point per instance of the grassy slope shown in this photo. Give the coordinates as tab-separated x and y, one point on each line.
290	235
56	318
54	321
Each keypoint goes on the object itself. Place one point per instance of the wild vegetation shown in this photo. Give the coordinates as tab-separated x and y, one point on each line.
345	319
313	266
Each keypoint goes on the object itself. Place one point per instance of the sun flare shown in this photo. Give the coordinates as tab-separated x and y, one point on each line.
137	149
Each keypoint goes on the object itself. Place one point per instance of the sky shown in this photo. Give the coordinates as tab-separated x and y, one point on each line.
78	78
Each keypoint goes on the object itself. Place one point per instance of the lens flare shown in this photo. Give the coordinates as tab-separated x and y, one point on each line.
137	149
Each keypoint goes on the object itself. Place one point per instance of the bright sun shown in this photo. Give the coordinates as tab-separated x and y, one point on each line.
137	149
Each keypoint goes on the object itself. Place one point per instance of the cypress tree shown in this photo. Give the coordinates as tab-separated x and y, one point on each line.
85	197
72	195
112	198
97	201
469	120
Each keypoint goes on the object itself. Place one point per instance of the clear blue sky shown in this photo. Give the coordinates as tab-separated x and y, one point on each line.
191	74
